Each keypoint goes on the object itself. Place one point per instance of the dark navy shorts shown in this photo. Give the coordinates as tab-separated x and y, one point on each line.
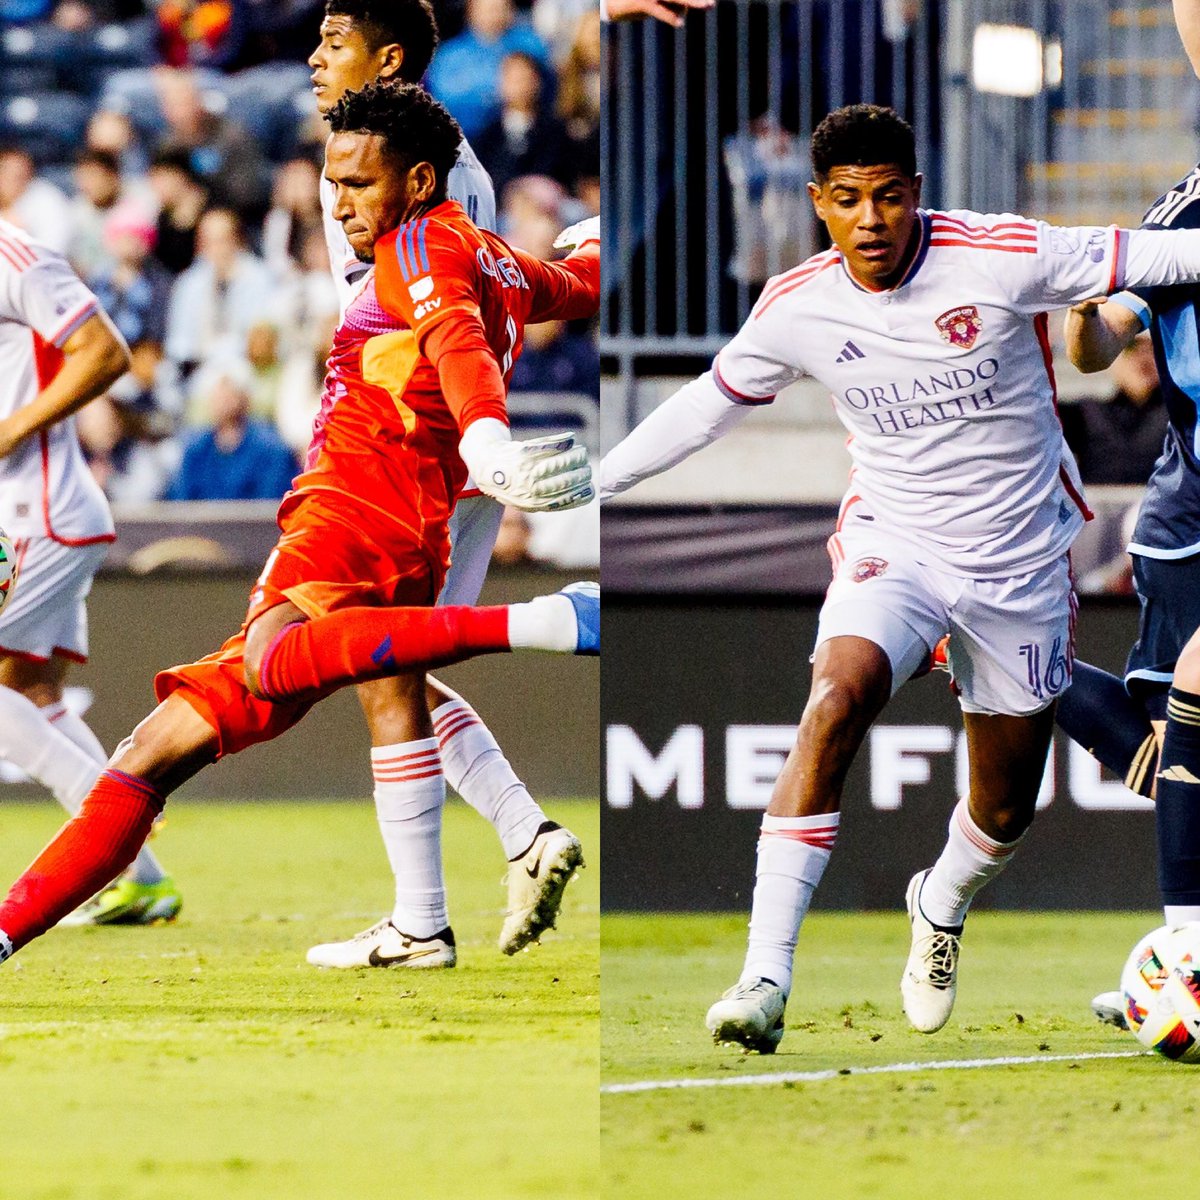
1169	591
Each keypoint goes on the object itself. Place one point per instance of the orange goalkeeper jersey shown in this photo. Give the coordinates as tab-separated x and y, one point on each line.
427	347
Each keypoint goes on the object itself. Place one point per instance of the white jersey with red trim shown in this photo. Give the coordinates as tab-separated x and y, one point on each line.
468	183
944	382
46	489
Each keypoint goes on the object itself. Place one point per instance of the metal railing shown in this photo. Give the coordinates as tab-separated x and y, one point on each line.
705	141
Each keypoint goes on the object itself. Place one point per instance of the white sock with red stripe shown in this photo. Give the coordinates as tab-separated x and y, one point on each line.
29	740
145	868
970	859
477	770
792	853
409	794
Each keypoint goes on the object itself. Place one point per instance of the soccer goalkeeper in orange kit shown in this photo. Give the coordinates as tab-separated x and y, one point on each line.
414	399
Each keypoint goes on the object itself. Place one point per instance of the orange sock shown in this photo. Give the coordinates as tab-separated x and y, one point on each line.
89	851
310	658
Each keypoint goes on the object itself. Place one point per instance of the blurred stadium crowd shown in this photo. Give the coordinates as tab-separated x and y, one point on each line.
172	149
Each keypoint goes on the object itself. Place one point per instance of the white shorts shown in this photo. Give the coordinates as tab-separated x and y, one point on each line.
48	614
473	528
1011	639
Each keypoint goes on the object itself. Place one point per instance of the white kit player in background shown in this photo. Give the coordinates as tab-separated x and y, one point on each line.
395	41
57	351
929	329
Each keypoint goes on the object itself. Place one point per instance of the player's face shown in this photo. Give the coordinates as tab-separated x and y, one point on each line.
371	195
871	215
344	62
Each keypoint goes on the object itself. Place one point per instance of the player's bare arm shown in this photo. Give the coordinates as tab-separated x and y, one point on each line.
95	357
1096	331
669	12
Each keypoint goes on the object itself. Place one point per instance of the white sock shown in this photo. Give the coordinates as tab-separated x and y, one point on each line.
145	868
792	853
475	767
544	623
409	794
970	859
1180	914
33	743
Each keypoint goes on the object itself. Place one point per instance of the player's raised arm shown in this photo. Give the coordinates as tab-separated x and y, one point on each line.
746	374
1096	332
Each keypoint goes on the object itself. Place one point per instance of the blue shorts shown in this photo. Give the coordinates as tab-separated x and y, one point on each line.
1169	591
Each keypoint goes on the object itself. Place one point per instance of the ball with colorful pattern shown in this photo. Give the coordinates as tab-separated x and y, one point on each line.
8	570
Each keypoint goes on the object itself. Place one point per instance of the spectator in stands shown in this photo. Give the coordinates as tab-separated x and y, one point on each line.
303	380
127	462
201	33
111	132
524	139
219	150
556	360
465	71
307	294
579	102
75	16
1118	439
34	204
136	289
101	193
266	369
12	11
182	199
219	297
294	215
236	458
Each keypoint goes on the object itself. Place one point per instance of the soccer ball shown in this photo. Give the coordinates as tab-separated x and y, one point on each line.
1161	985
8	570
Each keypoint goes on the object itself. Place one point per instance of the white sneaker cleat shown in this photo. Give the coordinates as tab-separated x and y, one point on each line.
536	882
1109	1007
383	945
929	982
750	1015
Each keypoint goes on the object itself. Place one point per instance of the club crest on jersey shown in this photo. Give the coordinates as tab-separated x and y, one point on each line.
867	568
960	326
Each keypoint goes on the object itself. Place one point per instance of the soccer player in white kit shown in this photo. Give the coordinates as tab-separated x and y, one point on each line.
361	41
58	351
929	328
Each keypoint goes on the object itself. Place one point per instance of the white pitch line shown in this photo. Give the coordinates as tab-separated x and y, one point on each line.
953	1064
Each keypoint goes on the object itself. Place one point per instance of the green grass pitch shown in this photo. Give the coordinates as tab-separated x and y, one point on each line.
205	1059
1085	1130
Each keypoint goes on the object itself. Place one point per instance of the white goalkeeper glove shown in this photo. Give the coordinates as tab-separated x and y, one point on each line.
579	234
539	475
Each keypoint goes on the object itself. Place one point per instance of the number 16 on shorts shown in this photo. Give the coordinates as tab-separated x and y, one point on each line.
1049	672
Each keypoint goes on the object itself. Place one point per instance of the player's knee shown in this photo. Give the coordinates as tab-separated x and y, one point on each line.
252	679
836	706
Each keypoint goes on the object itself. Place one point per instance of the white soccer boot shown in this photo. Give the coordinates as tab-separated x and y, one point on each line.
1109	1007
536	882
749	1014
383	945
930	975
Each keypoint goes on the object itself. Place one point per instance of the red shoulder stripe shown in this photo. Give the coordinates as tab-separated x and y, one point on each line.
791	287
810	266
947	241
1026	226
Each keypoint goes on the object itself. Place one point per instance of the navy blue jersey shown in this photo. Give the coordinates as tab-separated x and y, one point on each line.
1168	524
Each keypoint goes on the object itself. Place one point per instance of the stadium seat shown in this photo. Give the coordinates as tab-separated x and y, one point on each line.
271	101
50	125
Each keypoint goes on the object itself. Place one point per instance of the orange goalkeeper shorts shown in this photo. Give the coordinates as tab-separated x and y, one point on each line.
325	560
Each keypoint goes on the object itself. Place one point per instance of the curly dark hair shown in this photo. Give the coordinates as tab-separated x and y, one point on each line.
415	127
407	23
863	135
